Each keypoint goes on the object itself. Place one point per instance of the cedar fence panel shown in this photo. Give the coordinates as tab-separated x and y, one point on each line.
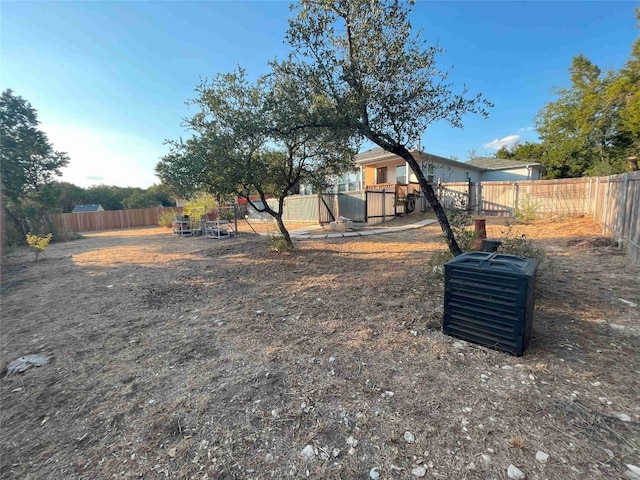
110	219
613	201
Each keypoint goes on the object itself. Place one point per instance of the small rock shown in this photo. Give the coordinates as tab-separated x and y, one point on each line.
542	457
633	473
374	474
308	453
388	394
627	302
351	451
623	416
352	442
507	367
269	458
471	466
458	345
259	312
419	471
409	437
335	452
16	390
467	409
172	452
515	473
484	377
486	459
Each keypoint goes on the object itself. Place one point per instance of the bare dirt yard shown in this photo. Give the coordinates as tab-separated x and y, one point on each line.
221	359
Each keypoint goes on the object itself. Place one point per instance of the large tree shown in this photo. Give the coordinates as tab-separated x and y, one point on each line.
255	140
28	162
593	126
379	77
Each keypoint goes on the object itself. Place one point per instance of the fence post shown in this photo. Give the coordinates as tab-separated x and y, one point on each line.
366	206
606	206
589	201
515	198
624	211
595	203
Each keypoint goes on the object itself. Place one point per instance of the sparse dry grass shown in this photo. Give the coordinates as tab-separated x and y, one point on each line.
195	358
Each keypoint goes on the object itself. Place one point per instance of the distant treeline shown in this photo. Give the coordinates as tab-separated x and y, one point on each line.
63	196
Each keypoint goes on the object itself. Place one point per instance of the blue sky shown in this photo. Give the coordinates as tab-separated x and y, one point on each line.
110	79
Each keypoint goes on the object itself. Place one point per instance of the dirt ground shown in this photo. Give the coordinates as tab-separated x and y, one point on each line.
221	359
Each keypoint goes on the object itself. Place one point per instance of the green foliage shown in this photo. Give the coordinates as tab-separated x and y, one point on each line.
518	244
165	219
381	81
525	151
526	210
199	205
460	221
594	125
255	139
277	243
37	243
28	163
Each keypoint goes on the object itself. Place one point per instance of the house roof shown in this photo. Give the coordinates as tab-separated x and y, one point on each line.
478	164
378	154
90	207
487	163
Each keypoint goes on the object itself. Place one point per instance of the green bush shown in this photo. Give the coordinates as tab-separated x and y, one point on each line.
526	210
278	244
165	219
514	244
199	205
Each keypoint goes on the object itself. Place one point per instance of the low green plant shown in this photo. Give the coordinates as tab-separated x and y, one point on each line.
460	221
278	244
526	210
518	244
165	219
37	243
227	213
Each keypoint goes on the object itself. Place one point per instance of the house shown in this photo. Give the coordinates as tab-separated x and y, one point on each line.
501	169
377	169
90	207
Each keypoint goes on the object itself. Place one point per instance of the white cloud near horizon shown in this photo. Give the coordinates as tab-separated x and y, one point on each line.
98	156
507	141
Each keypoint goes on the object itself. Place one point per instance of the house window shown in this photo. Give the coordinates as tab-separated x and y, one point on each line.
349	182
401	174
427	170
381	175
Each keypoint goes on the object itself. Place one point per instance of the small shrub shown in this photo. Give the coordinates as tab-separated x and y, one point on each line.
198	206
38	244
460	221
165	219
227	213
526	210
278	244
514	244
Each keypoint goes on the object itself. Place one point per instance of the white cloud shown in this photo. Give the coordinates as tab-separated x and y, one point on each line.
103	156
497	144
525	129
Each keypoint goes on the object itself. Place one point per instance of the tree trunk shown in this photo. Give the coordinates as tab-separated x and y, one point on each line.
284	232
431	198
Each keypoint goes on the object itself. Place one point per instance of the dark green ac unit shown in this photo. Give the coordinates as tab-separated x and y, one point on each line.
489	300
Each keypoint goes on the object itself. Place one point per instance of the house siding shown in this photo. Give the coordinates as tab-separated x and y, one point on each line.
511	174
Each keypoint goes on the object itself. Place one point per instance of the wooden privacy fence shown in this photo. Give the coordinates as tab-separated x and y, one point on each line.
613	201
110	219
